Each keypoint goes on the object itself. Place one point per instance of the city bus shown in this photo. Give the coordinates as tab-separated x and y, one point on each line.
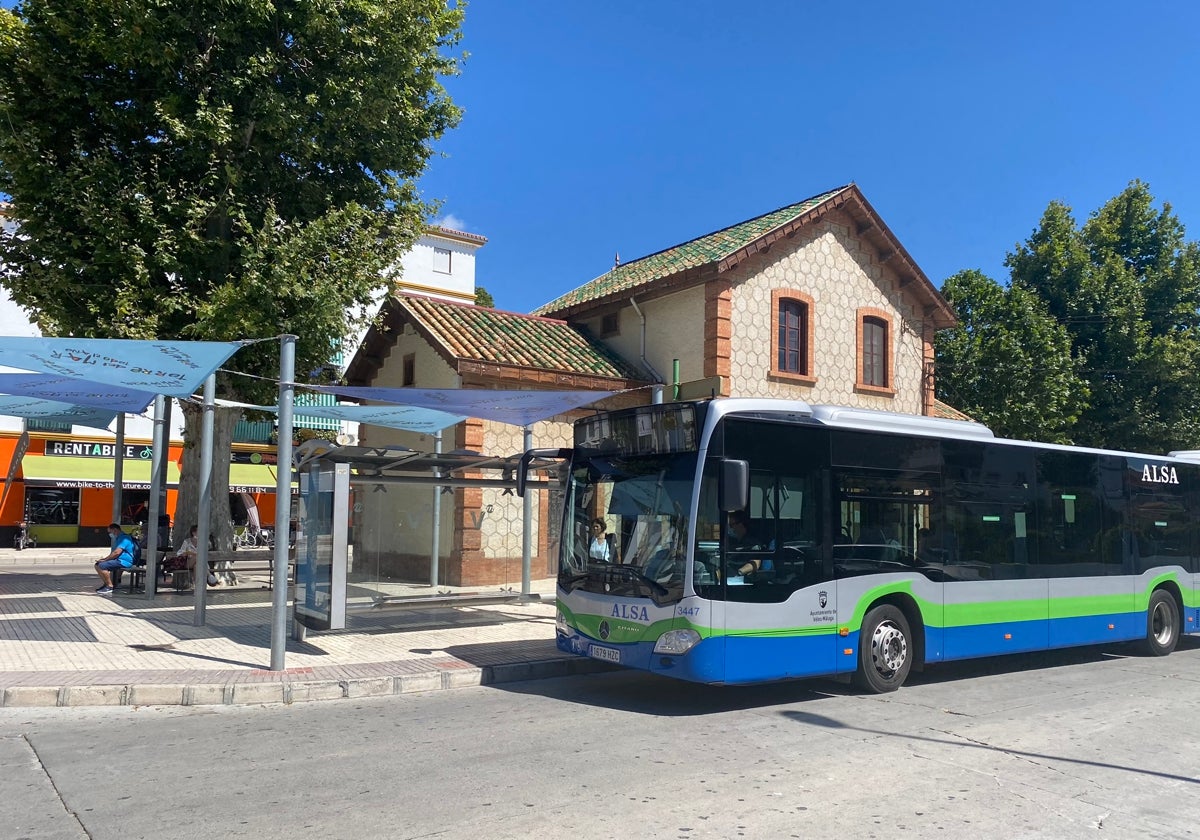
867	543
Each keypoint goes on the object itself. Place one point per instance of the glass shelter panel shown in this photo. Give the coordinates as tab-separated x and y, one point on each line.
321	547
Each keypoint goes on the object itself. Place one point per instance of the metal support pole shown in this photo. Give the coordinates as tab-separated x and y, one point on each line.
283	501
436	549
159	443
526	526
161	489
204	513
119	470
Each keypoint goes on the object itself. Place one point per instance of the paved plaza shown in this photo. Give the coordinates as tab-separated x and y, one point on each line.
63	645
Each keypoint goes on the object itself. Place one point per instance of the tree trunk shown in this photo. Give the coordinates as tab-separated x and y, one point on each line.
187	505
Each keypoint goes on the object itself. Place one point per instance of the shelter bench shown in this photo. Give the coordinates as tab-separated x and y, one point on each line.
233	563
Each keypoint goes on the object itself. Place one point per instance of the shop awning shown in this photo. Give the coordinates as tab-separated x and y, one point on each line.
90	473
251	478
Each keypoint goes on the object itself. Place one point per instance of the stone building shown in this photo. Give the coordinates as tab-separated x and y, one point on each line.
424	342
816	301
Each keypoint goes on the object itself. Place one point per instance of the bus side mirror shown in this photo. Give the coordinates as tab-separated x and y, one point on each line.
540	455
734	492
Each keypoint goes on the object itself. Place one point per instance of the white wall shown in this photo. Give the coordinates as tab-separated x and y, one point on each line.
418	276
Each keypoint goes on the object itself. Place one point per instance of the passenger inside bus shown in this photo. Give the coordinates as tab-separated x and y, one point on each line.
601	546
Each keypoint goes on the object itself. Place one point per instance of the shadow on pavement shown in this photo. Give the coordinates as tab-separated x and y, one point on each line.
612	687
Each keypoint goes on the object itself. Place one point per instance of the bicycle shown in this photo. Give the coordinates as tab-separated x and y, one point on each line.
243	537
23	539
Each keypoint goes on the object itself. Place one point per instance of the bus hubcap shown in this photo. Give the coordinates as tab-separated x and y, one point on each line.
1163	628
889	648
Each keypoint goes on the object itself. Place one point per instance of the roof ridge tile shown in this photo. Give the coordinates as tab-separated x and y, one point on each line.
701	250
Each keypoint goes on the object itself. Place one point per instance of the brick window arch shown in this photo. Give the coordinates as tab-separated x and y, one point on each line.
792	337
875	368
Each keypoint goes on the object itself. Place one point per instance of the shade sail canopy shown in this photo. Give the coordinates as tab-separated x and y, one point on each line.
67	471
174	368
519	408
32	408
413	419
75	391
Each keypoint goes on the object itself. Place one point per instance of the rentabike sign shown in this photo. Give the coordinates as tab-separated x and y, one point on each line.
90	449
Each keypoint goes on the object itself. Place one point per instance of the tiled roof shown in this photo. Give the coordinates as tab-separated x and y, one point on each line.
451	233
710	248
948	412
506	338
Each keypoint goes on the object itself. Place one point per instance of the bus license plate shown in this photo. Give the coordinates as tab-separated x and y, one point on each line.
607	654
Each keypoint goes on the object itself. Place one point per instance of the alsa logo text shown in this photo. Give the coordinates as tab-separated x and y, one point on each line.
1159	474
630	611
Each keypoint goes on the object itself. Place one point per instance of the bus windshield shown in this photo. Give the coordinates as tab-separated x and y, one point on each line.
627	525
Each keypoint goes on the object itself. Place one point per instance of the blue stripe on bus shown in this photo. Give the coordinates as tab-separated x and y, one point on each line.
636	655
748	659
989	639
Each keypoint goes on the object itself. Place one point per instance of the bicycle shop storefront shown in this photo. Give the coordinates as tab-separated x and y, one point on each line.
63	487
67	486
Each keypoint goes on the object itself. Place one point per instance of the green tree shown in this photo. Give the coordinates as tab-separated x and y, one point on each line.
1126	285
213	171
483	297
1008	362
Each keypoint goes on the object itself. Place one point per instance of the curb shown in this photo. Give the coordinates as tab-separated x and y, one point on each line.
292	688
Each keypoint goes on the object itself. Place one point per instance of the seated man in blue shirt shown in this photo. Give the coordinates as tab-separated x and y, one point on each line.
121	557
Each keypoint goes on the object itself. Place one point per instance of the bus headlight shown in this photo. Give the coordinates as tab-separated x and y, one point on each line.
560	623
677	642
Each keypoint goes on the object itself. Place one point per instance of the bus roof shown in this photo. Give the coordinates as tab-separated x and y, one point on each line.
865	419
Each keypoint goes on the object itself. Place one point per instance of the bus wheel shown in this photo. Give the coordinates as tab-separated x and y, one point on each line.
1162	624
884	652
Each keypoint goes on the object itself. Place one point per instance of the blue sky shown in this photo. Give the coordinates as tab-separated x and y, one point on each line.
595	128
592	128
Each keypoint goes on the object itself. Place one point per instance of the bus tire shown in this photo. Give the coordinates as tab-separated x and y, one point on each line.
885	650
1162	623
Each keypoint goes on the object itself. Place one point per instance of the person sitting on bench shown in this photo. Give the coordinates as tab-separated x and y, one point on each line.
120	558
188	552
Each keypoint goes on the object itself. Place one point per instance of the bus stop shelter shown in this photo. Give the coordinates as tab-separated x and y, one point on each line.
325	558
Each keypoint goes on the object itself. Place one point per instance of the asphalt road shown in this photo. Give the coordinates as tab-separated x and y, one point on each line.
1093	743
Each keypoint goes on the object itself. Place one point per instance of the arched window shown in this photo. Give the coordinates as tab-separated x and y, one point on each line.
874	352
875	363
792	336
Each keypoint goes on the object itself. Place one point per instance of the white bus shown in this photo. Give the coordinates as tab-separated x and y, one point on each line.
876	543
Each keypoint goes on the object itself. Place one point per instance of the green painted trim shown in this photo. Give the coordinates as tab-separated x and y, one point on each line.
954	615
994	612
901	587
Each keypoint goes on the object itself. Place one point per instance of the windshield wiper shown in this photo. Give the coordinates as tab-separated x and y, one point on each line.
572	582
600	571
633	574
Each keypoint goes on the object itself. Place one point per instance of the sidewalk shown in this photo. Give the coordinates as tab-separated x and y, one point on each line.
63	645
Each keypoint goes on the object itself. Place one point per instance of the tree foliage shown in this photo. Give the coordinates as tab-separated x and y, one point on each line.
1125	286
483	297
217	171
1008	363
